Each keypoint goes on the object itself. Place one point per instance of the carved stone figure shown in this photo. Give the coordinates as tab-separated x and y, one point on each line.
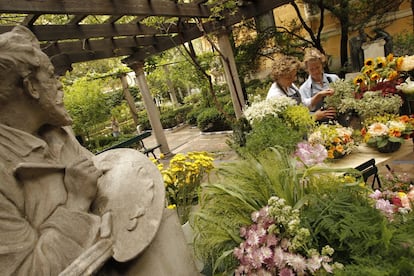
63	210
357	54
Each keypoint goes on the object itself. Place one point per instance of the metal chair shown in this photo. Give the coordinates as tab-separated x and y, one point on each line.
368	169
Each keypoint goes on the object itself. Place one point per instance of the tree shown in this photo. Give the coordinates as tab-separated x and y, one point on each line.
351	14
86	103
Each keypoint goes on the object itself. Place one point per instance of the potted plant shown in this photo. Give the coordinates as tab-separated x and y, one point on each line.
275	122
182	179
337	139
386	133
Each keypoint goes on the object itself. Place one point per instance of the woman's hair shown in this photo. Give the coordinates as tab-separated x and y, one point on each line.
284	65
313	54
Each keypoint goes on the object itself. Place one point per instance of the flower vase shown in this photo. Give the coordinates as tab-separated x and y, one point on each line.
390	147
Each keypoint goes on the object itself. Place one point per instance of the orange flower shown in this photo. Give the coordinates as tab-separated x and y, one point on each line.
331	154
337	140
363	131
339	148
395	133
404	118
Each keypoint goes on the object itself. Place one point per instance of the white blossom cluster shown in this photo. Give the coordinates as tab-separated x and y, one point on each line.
273	106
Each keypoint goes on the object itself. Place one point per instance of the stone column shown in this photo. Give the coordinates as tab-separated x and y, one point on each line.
130	100
152	111
232	76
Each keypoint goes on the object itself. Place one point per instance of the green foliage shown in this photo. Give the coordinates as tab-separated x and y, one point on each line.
143	120
84	101
344	218
168	118
271	132
241	188
257	88
403	44
211	120
226	205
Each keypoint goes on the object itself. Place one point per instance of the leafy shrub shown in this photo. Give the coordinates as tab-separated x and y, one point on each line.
168	118
181	112
211	120
143	120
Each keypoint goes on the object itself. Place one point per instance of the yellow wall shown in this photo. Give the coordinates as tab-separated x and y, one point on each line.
401	22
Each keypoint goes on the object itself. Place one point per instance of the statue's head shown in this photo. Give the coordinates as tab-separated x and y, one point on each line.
26	72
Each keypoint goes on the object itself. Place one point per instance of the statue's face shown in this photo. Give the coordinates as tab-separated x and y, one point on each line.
51	94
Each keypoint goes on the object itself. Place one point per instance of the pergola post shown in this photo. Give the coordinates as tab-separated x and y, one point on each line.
128	97
231	74
152	111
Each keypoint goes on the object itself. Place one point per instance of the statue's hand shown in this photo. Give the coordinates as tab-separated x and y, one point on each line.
81	184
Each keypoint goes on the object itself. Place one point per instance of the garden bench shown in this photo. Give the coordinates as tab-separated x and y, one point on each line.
138	139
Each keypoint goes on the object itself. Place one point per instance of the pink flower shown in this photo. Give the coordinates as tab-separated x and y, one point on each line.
410	194
376	194
385	206
311	155
286	272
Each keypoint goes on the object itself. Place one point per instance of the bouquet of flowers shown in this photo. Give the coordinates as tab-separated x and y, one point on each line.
376	90
387	132
274	122
379	74
337	139
275	244
183	178
397	197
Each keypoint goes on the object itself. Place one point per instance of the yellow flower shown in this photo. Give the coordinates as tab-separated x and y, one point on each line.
392	75
359	79
381	62
368	70
390	57
369	62
375	76
171	206
399	62
162	156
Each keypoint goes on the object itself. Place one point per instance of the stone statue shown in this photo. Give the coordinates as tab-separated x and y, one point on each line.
357	54
381	34
63	210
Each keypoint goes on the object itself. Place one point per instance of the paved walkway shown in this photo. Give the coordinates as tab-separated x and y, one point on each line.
186	139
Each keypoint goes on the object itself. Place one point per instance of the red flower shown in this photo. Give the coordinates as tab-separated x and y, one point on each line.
397	201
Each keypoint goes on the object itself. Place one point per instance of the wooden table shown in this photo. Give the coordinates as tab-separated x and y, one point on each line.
364	153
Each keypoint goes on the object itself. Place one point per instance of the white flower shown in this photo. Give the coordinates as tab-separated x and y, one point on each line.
273	106
377	129
396	125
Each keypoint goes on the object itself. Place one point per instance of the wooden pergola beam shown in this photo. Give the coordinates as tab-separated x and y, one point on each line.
106	7
70	31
